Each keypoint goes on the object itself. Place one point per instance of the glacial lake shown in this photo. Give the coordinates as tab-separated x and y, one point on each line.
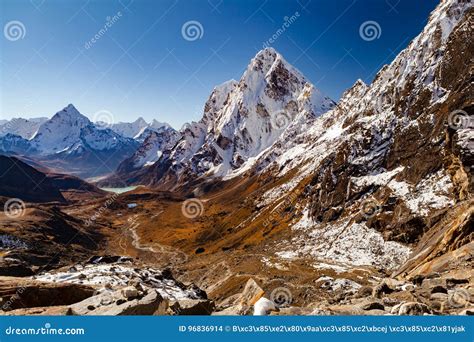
120	190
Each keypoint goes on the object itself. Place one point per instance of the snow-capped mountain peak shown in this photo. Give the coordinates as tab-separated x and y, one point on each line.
137	129
71	115
155	124
60	132
26	128
243	118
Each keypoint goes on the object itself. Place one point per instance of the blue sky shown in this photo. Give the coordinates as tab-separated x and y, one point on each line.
143	66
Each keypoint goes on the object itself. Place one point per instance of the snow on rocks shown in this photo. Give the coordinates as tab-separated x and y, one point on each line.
345	242
433	192
332	284
121	275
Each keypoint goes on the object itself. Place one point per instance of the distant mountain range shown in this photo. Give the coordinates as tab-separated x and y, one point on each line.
69	142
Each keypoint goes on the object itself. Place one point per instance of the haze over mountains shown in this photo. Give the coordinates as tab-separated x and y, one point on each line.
357	206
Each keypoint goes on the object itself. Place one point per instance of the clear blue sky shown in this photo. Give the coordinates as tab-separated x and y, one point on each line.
142	65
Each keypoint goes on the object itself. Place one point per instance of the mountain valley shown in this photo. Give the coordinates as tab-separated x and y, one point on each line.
361	206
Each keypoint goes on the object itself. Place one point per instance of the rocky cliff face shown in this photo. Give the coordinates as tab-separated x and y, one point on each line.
384	166
156	145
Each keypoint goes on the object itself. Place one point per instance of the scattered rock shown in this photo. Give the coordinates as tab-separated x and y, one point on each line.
121	275
364	291
418	279
294	311
188	307
411	308
372	305
381	289
439	296
320	312
130	292
467	312
251	293
346	309
40	311
430	283
375	312
108	259
14	268
450	282
408	287
231	311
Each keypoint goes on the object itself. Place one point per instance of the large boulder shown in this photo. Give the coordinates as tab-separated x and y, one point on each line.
117	304
411	308
371	305
186	307
251	293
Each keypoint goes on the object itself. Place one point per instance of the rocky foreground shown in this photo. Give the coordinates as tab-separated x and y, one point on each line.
117	286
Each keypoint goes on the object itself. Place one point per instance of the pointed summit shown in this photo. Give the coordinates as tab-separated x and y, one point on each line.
71	114
140	121
60	131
